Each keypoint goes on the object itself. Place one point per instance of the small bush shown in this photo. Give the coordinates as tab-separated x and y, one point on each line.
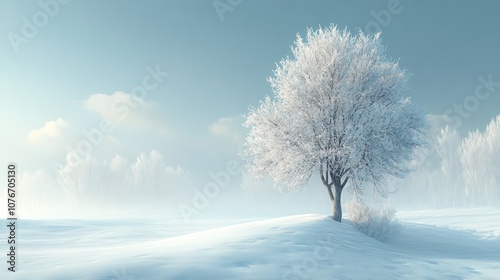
378	223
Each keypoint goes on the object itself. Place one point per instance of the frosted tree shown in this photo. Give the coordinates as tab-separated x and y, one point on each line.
79	179
473	155
154	183
447	146
39	192
121	184
338	111
492	138
148	174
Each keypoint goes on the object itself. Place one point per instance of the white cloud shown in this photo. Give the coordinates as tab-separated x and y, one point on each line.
116	107
228	128
122	108
56	132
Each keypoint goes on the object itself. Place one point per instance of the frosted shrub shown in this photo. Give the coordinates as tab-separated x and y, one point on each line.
378	223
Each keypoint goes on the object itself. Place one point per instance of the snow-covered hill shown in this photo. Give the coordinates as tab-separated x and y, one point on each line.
445	244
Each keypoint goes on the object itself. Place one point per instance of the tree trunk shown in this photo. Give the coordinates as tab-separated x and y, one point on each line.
336	202
332	179
337	208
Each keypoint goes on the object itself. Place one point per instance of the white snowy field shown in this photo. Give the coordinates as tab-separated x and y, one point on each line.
434	244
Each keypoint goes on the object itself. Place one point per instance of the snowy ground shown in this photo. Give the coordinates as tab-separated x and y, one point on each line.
442	244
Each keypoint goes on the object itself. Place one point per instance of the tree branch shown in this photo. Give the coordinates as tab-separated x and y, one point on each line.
345	182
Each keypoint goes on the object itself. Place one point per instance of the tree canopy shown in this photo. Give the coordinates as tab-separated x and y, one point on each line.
338	110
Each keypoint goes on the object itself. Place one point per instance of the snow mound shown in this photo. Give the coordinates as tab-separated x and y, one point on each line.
293	247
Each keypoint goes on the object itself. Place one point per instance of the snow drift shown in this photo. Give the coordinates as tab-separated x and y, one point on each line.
433	245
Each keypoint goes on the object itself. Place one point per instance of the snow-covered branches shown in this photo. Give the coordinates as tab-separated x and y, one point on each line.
456	171
480	158
338	104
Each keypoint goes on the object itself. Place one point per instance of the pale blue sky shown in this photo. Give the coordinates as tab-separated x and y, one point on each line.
217	68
